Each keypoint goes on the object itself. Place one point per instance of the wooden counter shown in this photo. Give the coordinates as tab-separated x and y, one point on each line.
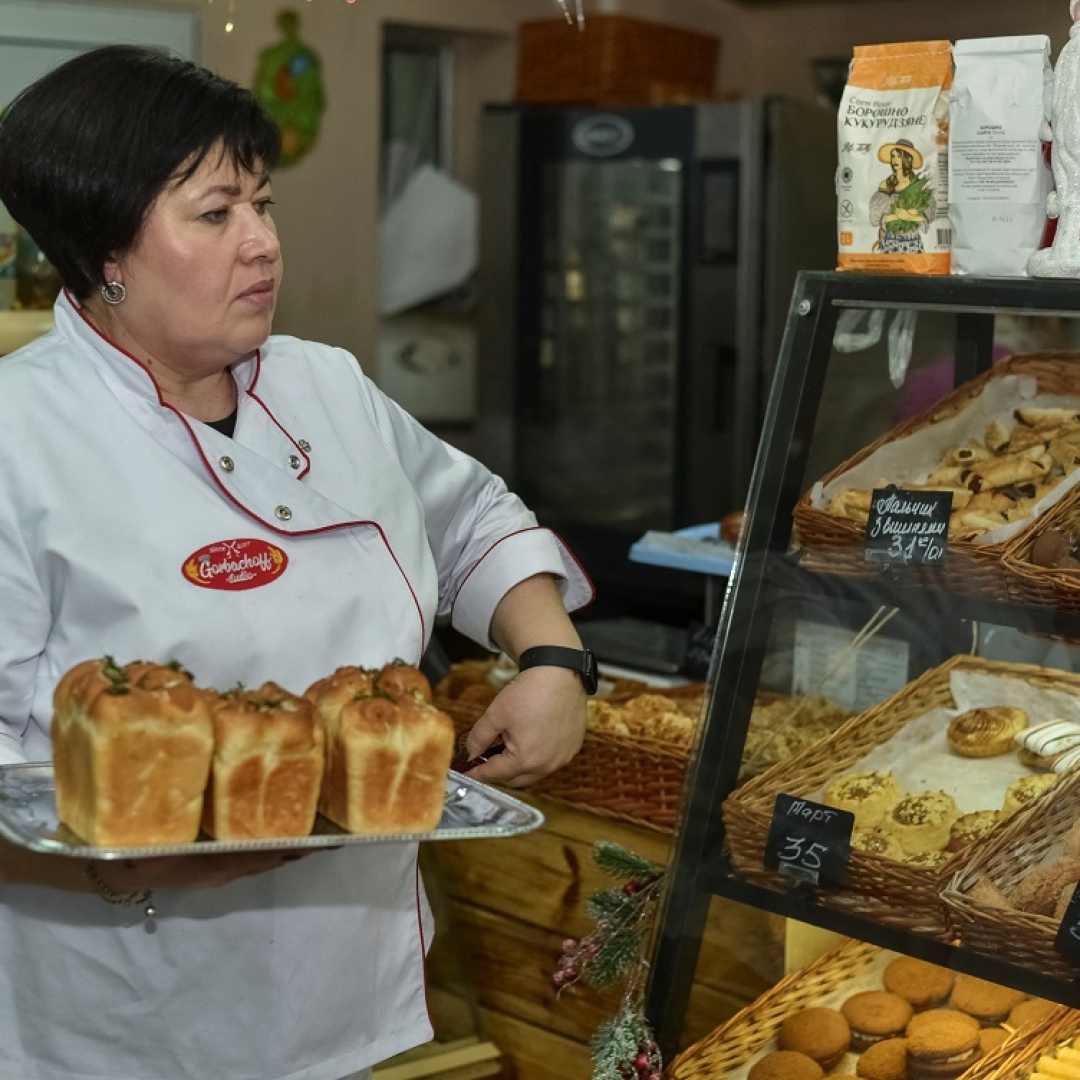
503	909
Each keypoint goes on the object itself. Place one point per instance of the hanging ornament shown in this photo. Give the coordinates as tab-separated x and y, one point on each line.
288	82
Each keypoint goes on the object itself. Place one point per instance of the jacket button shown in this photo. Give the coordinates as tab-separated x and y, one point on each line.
283	512
294	462
304	445
227	464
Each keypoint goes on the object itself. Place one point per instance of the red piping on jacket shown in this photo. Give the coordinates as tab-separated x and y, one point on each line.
521	532
229	495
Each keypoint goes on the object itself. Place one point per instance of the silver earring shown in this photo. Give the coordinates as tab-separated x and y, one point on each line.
113	292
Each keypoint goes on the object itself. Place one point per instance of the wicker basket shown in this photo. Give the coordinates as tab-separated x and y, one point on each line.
615	60
1044	585
635	780
1018	937
1016	1058
883	889
835	545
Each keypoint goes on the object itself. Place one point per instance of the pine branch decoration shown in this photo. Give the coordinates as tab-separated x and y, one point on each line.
623	1048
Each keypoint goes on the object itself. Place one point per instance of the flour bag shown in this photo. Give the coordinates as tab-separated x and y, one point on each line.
892	183
999	175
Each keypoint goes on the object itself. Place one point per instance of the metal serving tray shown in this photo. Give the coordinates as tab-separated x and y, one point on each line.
472	811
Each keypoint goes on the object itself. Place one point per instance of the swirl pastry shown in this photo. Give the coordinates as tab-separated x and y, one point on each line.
986	732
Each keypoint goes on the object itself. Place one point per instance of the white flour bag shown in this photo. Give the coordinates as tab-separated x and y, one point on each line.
892	184
999	176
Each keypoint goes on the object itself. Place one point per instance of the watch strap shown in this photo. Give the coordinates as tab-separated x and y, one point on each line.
580	661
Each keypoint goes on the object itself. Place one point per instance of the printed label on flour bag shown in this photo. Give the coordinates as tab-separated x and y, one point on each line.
892	184
999	176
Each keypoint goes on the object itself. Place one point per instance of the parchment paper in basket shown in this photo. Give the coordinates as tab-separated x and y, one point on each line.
912	458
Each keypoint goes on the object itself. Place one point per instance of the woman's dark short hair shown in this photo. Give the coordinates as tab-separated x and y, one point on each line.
86	150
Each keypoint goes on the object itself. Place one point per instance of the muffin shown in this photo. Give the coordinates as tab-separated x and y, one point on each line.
868	795
822	1034
875	1015
874	842
922	985
922	822
968	828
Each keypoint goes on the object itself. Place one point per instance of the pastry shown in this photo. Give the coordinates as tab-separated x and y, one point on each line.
991	1038
868	795
942	1051
1026	790
1030	1012
875	1015
1056	1067
921	984
785	1065
1040	746
885	1060
986	732
874	842
987	1002
985	892
968	828
131	753
387	759
1040	890
922	822
932	1017
822	1034
267	765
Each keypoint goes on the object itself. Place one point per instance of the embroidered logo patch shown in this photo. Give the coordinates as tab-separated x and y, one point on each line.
235	564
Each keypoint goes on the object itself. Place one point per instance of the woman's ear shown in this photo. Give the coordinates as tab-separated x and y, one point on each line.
113	271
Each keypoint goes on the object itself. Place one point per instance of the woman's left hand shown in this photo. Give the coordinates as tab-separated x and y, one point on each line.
540	719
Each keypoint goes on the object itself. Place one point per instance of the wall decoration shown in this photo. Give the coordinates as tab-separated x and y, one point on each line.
288	82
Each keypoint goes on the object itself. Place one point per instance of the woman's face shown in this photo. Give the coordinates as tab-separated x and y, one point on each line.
202	278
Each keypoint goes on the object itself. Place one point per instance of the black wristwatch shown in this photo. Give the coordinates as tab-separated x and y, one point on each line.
581	661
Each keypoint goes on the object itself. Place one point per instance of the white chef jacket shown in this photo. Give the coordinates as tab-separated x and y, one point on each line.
331	529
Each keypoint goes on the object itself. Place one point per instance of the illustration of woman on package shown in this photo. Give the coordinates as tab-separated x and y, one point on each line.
903	205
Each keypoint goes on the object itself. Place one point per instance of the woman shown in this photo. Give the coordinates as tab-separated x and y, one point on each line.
157	428
904	205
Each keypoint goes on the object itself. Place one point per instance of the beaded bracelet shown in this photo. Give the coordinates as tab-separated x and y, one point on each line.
143	896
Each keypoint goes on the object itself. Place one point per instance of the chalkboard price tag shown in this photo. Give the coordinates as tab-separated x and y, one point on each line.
809	841
700	640
1067	941
907	526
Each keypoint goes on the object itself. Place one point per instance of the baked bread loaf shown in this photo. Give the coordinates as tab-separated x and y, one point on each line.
388	751
131	753
267	765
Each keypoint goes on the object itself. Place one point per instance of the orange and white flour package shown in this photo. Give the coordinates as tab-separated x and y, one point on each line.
892	182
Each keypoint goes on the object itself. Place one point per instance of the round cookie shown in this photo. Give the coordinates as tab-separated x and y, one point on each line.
821	1034
785	1065
931	1017
991	1038
942	1051
868	795
886	1060
875	1015
987	732
921	822
1026	790
921	984
988	1002
1032	1011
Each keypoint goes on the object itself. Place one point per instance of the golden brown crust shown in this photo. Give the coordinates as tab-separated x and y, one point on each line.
986	732
988	1002
820	1033
921	984
386	760
885	1060
399	678
267	766
131	753
785	1065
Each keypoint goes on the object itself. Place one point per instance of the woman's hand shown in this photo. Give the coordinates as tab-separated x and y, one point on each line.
187	871
540	719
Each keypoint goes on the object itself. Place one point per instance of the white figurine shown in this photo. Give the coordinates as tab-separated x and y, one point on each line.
1062	258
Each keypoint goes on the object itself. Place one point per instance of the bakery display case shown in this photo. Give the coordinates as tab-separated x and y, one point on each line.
909	555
